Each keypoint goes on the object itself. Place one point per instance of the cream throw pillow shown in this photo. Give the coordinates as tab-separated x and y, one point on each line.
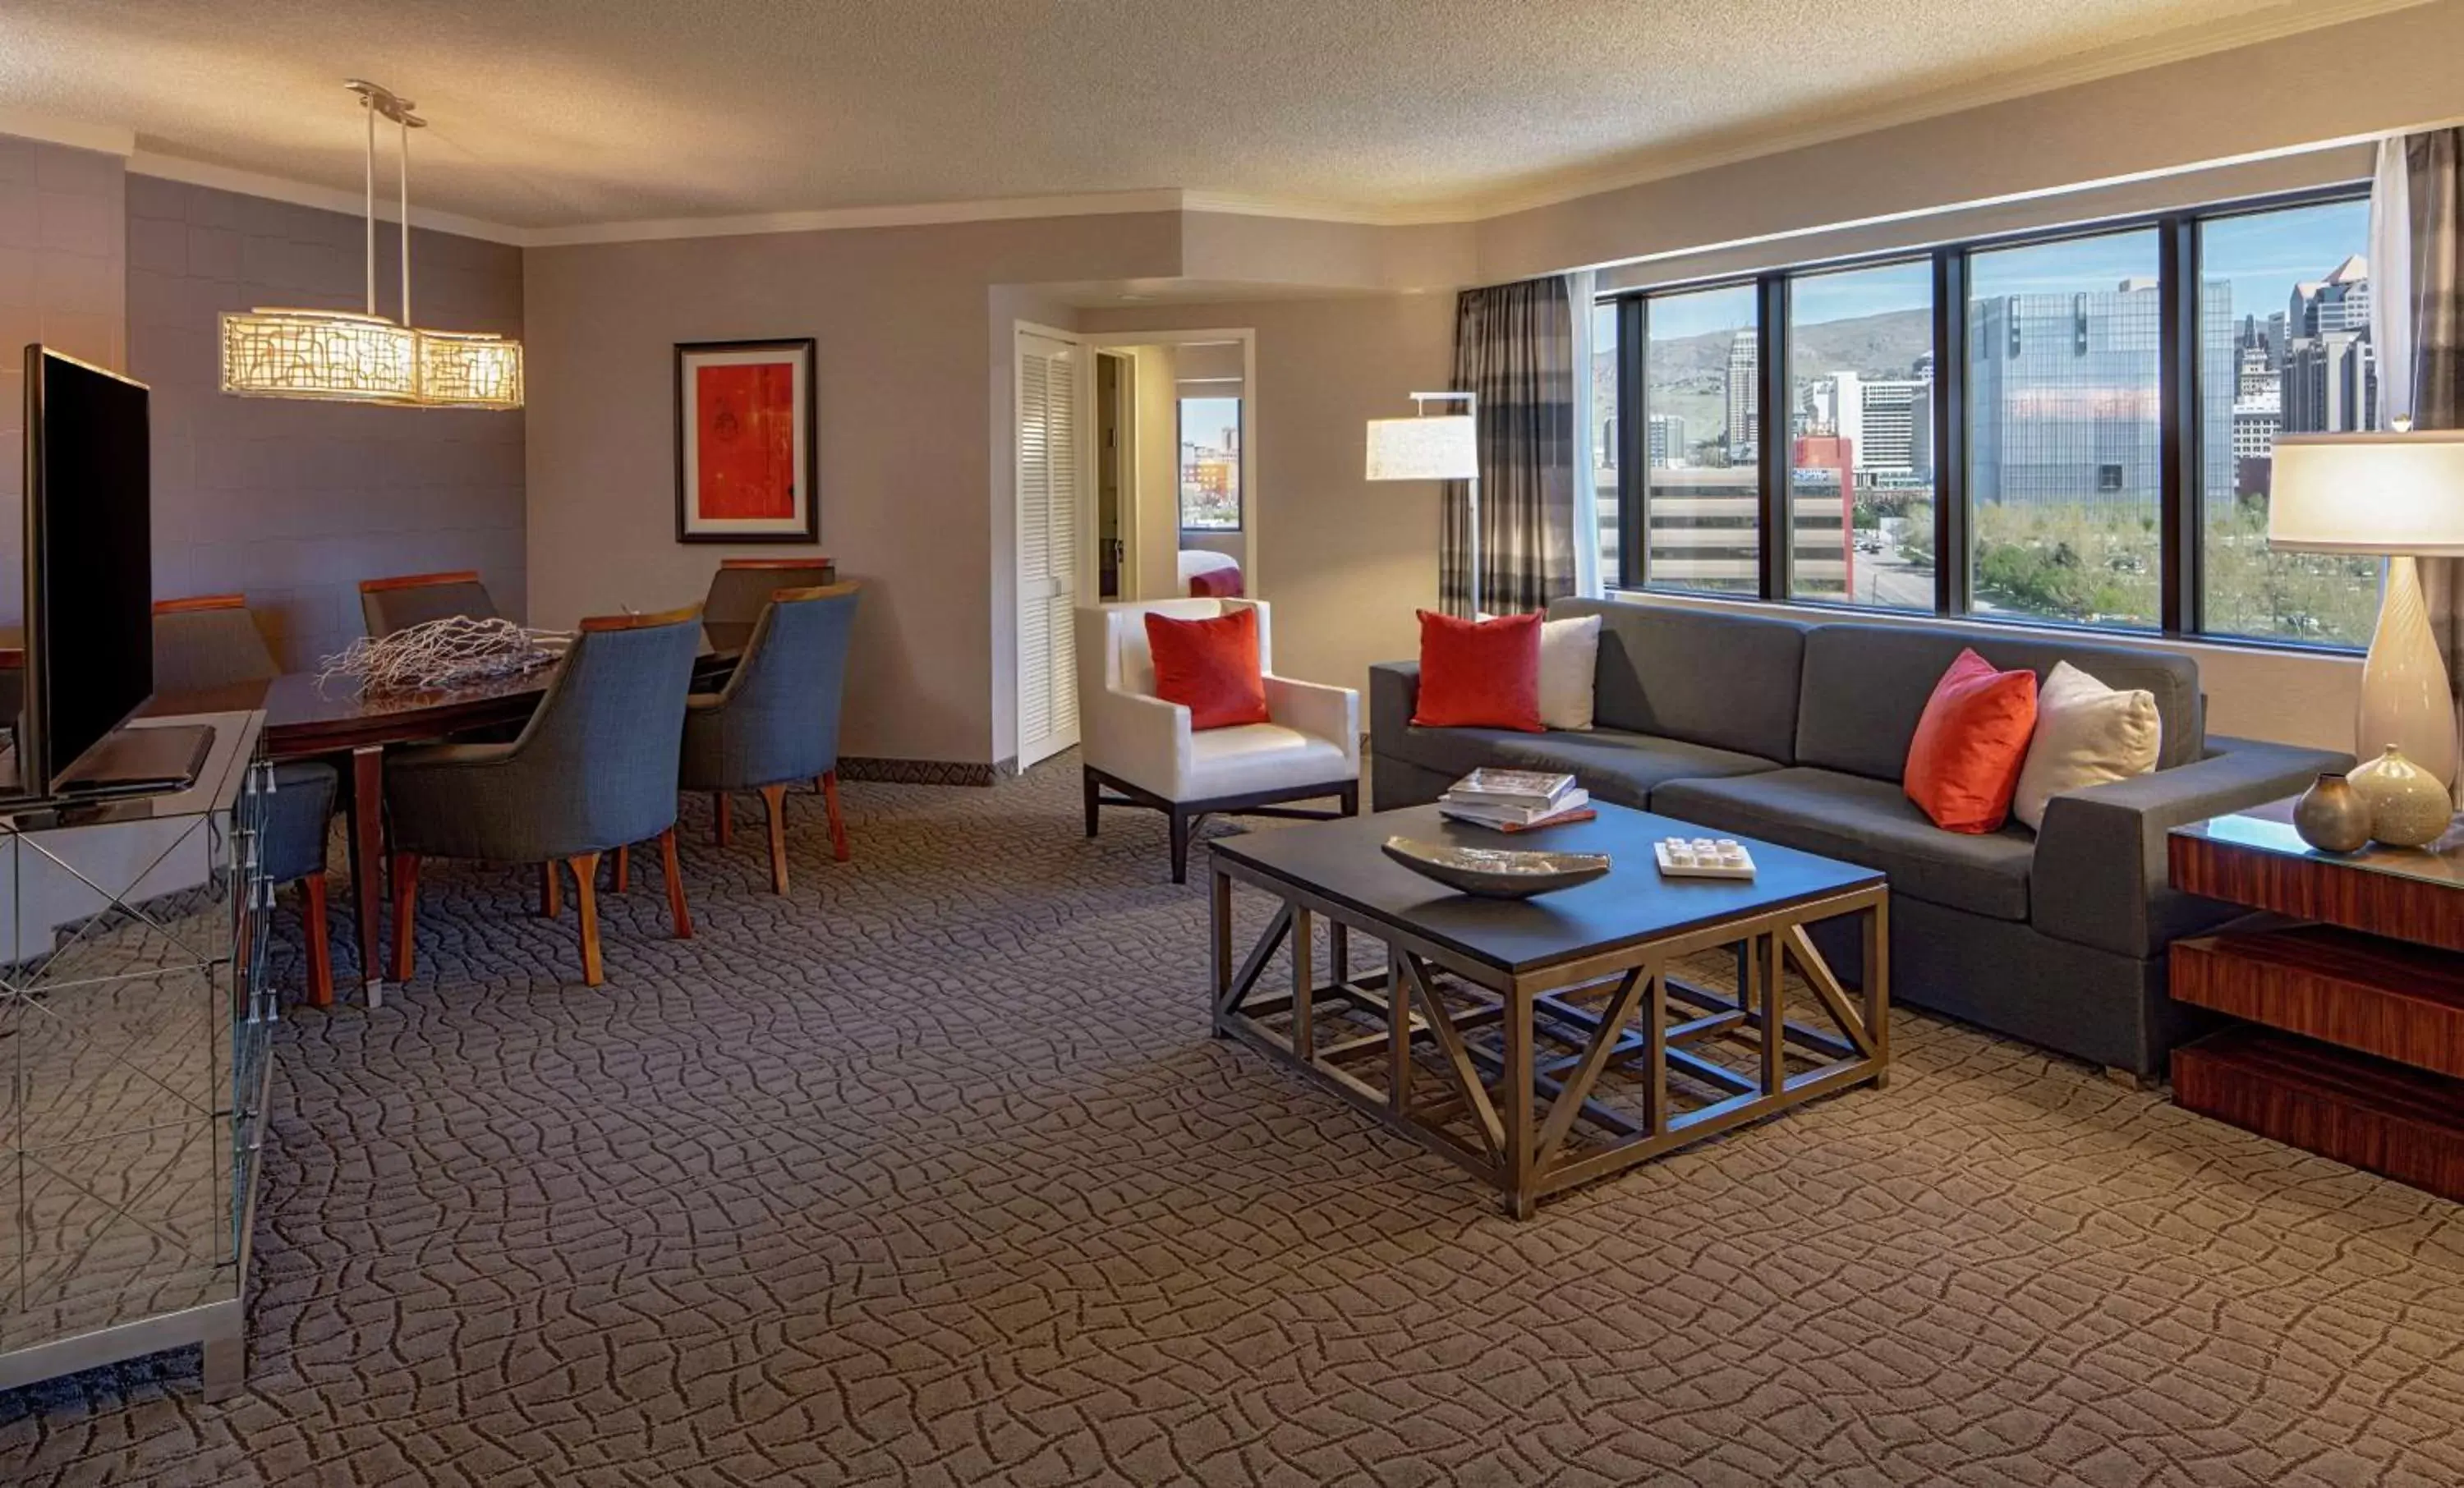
2086	735
1569	652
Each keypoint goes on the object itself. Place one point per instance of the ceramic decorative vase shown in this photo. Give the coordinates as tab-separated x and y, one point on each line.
2409	807
2332	816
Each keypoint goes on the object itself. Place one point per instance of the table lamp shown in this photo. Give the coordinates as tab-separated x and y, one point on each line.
2400	493
1434	446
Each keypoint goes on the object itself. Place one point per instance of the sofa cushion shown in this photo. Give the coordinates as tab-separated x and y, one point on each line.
1724	680
1611	765
1864	687
1865	822
1478	674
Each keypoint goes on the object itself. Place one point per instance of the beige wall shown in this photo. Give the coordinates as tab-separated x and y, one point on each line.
1343	561
1155	463
913	384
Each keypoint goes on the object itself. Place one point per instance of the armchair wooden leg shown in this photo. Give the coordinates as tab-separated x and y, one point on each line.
838	823
720	825
678	916
1094	796
321	951
1180	824
1351	799
551	900
585	904
406	905
624	873
775	798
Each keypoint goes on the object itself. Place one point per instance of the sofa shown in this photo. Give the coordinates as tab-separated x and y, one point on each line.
1795	733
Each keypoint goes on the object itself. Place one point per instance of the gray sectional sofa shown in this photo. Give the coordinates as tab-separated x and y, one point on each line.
1796	733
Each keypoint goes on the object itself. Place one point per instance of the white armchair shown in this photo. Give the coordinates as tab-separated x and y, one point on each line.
1144	750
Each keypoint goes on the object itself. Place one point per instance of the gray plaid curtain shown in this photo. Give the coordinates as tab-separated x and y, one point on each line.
2434	179
1514	347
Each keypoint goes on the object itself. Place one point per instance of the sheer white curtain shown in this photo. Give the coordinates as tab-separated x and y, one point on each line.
1580	285
2391	281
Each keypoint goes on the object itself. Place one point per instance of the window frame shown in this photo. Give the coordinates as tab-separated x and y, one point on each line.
1180	440
2182	524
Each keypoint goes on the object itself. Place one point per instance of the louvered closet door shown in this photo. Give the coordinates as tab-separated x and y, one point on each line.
1047	544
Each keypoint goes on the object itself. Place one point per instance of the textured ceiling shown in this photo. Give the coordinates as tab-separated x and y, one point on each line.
553	113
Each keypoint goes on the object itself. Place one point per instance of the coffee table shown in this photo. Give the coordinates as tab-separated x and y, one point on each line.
1543	1043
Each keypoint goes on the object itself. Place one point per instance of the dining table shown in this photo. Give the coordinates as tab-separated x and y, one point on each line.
333	718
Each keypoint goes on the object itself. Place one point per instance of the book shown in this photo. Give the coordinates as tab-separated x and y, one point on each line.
1512	788
1482	813
1572	814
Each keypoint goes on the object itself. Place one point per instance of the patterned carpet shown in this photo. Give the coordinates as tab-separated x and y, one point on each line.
930	1174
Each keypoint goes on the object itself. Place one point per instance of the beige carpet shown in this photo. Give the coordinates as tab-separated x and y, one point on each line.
929	1173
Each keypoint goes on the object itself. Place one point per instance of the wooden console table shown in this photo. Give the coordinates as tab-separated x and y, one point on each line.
2351	1043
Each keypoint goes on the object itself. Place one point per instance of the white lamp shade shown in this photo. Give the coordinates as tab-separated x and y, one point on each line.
1442	448
2389	493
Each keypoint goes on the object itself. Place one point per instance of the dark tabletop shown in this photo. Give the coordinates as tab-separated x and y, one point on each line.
1341	860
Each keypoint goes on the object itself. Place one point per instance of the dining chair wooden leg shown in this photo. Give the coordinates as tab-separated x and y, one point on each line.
774	797
838	823
720	825
551	900
320	951
406	904
586	906
623	873
678	916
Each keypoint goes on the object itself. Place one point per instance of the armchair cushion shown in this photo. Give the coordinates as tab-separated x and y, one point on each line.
1209	666
1263	757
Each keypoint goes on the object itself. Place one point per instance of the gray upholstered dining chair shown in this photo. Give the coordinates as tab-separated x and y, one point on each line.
210	642
776	721
594	770
743	585
398	603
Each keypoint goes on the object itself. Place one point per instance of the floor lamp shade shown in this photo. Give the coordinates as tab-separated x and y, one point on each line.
2401	494
1437	448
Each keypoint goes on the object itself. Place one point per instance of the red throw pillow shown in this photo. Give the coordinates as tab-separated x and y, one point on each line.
1963	763
1478	674
1210	667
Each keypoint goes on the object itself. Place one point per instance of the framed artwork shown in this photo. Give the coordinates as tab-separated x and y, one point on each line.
744	442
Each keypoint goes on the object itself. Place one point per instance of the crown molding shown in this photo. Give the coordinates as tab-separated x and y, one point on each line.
300	193
842	218
74	133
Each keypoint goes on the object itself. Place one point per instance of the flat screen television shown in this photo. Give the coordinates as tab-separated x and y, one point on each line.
89	569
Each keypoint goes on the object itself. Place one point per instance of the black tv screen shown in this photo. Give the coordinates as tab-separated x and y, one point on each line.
89	562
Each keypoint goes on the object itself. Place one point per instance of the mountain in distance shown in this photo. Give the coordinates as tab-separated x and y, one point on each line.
1880	345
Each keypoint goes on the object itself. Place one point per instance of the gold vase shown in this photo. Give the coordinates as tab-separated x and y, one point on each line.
2408	808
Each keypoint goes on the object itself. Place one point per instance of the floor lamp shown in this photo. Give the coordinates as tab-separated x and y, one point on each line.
1434	446
2401	494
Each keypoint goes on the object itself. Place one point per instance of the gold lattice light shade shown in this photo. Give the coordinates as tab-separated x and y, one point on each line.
319	354
468	370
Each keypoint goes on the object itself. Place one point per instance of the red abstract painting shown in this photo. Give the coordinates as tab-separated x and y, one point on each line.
745	443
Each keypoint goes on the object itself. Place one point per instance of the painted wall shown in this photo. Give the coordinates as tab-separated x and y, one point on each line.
63	235
292	503
1158	463
913	389
1344	561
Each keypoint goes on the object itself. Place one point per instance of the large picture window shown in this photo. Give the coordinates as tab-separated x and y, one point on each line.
2071	428
1210	464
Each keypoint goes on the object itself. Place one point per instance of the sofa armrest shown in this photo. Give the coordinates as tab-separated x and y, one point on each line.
1140	740
1394	696
1319	710
2100	877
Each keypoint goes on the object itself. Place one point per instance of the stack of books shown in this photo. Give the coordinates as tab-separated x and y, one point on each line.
1515	801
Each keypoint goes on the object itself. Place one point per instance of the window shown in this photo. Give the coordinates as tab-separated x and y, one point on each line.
1210	464
1702	413
2071	428
1860	435
2065	431
2284	347
1604	429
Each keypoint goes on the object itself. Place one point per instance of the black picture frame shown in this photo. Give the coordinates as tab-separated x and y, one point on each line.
690	527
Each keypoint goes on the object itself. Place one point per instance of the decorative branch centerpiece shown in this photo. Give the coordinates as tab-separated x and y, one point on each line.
451	652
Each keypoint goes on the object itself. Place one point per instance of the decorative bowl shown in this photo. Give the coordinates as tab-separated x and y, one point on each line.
1496	872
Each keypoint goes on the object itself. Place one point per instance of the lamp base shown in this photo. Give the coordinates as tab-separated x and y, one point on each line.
2405	696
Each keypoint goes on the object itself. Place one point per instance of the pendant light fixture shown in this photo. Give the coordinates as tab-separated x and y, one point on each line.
364	357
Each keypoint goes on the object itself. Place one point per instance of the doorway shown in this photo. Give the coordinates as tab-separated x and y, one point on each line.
1174	480
1116	574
